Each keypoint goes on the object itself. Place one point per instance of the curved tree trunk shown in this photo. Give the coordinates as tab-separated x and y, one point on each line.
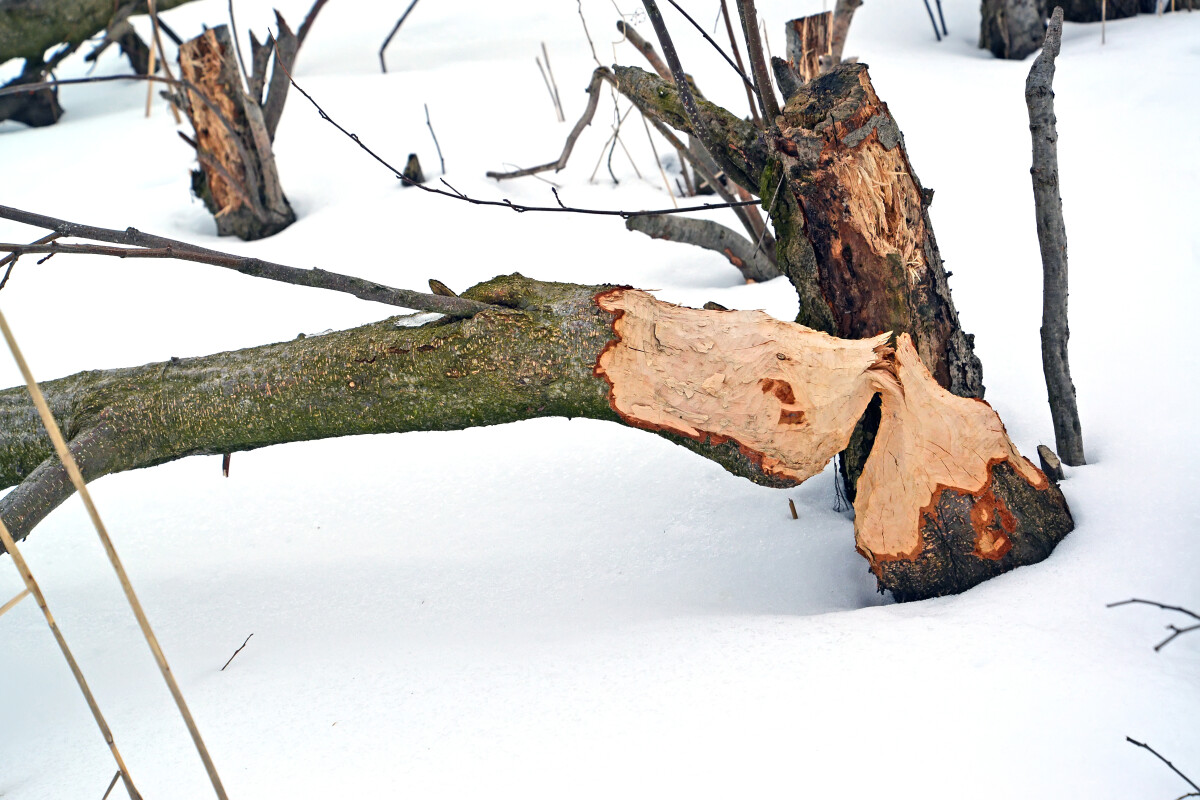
945	501
28	28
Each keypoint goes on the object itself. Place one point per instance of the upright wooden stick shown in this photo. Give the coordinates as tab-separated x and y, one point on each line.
1052	236
32	588
72	468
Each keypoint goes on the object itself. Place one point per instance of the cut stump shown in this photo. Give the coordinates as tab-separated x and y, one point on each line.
945	500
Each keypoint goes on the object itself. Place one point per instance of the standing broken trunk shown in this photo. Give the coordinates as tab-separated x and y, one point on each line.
237	179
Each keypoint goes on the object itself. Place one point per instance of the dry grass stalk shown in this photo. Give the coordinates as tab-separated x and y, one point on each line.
72	469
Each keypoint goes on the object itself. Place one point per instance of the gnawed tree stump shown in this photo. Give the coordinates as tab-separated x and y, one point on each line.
944	497
944	503
852	228
237	178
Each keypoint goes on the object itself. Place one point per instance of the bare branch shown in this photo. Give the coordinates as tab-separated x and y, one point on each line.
309	19
520	208
741	69
646	49
435	139
758	63
687	99
1160	758
142	245
1175	631
388	40
843	13
736	67
709	235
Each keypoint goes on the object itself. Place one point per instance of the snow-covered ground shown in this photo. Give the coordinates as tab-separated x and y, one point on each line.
572	608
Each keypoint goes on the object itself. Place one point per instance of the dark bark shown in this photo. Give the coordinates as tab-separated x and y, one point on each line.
237	179
28	28
1012	28
742	253
1089	10
1052	238
843	14
37	108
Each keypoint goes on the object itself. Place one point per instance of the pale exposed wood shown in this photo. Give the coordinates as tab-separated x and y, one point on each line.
929	440
789	398
788	394
808	38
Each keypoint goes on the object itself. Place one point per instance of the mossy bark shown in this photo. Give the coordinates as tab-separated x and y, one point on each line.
28	28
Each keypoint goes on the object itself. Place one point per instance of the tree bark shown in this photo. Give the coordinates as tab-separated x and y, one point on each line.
843	13
741	252
237	179
808	40
769	400
28	28
1012	28
1052	238
852	227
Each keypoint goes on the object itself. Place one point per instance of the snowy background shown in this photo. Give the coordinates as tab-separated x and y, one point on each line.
577	609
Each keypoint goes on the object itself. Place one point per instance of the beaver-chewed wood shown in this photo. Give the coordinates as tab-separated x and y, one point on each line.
945	500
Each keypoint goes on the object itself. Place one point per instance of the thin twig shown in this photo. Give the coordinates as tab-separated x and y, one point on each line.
737	67
686	98
661	171
116	776
11	259
11	604
738	55
553	100
770	208
235	652
156	28
1175	631
933	21
1160	758
309	19
579	7
435	141
520	208
758	64
553	84
388	40
142	245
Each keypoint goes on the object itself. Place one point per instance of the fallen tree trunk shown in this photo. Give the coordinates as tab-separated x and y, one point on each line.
944	503
29	28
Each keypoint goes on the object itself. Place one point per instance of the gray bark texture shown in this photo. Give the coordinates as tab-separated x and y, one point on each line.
534	352
843	14
1052	236
1012	28
749	258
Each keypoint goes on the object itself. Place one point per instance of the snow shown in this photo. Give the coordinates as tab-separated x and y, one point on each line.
572	608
